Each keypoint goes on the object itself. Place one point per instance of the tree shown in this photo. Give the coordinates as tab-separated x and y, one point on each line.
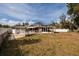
71	8
53	23
26	23
23	24
18	24
39	23
63	21
0	25
73	11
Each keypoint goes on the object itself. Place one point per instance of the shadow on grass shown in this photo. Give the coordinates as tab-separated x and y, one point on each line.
30	35
24	41
31	41
12	47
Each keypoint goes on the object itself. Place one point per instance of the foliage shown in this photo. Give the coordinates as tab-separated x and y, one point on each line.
5	26
62	21
73	11
25	24
53	23
39	23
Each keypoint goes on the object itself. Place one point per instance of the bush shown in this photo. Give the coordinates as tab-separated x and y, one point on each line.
76	30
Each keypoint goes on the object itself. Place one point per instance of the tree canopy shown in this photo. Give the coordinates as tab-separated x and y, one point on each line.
73	11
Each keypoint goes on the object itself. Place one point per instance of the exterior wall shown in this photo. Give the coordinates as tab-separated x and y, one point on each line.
37	29
60	30
18	31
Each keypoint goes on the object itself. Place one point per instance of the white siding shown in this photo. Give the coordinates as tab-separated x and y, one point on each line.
61	30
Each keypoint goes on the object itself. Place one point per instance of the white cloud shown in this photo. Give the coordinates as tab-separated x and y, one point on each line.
19	11
13	22
4	19
56	14
25	12
9	22
31	22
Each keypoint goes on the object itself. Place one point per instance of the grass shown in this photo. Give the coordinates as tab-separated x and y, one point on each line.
54	44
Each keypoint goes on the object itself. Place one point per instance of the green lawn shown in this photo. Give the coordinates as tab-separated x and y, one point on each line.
43	44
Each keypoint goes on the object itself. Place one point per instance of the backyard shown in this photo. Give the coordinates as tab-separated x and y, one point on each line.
51	44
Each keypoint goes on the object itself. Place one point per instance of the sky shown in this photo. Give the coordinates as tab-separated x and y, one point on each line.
15	13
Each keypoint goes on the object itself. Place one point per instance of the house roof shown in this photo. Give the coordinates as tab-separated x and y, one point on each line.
32	26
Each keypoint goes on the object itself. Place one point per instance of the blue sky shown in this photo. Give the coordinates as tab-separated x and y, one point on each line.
17	13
